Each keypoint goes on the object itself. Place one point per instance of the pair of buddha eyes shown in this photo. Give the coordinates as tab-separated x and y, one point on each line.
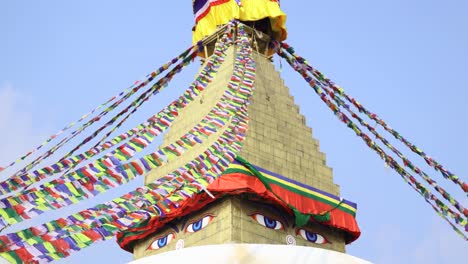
263	220
278	225
193	227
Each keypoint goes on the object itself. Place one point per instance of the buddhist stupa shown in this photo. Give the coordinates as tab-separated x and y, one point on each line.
277	201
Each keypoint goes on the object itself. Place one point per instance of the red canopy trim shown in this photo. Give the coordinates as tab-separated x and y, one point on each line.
297	187
238	180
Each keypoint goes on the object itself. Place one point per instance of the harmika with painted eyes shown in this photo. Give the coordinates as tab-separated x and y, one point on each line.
278	226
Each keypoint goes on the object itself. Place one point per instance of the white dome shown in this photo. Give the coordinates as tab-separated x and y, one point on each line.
250	253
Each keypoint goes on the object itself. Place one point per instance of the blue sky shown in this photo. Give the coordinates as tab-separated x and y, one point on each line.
404	60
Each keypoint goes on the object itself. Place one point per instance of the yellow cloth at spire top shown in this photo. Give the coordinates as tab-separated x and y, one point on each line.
209	14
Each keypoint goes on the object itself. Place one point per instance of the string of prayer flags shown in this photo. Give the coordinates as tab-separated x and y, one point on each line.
149	78
94	178
408	178
153	88
58	239
406	162
24	180
340	91
145	132
301	66
127	90
103	174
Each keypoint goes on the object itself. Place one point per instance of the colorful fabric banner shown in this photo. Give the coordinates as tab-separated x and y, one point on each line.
439	206
209	14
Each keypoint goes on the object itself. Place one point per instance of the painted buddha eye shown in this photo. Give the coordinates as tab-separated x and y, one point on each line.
312	237
268	222
161	241
199	225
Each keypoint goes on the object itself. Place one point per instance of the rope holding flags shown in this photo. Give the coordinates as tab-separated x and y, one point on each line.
25	180
406	161
340	91
113	98
325	95
156	125
53	149
216	119
58	239
97	177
